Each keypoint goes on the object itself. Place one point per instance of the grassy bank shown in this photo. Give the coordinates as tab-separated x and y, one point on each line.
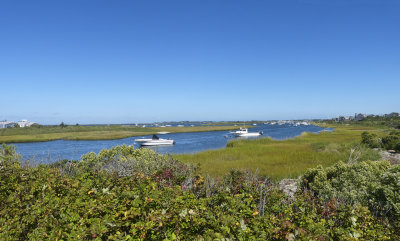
283	159
49	133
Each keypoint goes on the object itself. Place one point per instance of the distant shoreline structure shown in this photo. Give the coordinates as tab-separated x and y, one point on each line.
11	124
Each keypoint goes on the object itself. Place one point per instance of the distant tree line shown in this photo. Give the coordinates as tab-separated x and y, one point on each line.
391	121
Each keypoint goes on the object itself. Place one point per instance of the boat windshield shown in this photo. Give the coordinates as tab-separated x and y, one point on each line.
155	137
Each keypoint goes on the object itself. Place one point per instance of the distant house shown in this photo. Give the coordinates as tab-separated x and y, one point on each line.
393	114
6	124
359	117
25	123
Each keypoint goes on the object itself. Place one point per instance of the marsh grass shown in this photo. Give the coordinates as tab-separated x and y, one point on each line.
49	133
282	159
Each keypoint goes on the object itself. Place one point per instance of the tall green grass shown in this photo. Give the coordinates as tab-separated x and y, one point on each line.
281	159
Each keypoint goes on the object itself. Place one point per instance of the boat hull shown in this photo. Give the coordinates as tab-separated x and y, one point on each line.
157	143
246	134
142	140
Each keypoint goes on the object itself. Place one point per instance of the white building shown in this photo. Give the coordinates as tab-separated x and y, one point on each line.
5	124
25	123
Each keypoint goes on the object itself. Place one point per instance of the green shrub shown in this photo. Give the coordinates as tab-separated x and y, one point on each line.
397	147
125	160
370	139
372	184
390	142
8	155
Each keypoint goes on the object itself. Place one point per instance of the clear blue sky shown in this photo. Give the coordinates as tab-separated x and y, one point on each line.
127	61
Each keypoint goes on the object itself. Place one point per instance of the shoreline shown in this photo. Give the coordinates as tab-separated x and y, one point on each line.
106	135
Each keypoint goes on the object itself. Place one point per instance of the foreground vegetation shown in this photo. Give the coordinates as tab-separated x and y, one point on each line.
288	158
49	133
127	194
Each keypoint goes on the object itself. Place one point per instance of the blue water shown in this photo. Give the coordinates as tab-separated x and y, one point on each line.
47	152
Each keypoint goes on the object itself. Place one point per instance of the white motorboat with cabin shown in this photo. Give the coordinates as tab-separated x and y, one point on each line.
242	132
154	141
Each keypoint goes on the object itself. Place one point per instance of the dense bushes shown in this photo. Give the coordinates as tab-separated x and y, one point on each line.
375	185
389	142
127	194
370	139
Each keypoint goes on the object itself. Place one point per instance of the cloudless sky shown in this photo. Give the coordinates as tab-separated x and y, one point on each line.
128	61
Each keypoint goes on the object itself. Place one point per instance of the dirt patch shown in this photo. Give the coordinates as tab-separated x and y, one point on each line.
393	157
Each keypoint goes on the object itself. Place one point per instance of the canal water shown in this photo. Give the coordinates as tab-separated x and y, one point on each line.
47	152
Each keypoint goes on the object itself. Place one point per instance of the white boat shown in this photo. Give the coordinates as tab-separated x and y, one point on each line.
154	141
245	132
159	142
163	132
